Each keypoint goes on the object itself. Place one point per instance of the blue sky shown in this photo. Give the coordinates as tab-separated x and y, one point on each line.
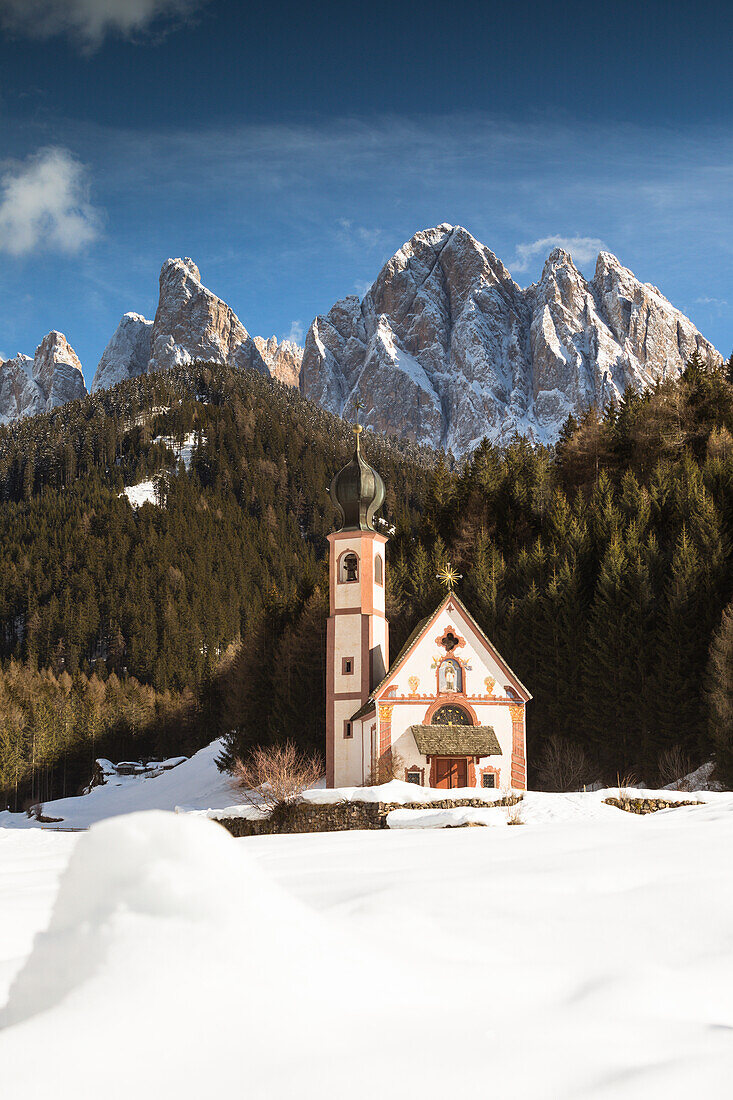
291	149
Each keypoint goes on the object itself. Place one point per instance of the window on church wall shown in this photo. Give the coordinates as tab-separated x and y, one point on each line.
450	716
378	570
450	676
414	775
348	730
349	570
488	779
347	666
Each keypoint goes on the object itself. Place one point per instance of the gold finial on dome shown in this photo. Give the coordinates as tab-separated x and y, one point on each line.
357	491
358	428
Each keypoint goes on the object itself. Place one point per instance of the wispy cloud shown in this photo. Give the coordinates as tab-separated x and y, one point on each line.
361	236
91	21
295	335
44	204
714	303
582	249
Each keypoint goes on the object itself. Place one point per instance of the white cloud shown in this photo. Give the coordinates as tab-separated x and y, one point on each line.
714	303
358	236
296	332
89	21
583	250
44	203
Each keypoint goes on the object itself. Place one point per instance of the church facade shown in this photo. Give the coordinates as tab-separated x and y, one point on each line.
448	712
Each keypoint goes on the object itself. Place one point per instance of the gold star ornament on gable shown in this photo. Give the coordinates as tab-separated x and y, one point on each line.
449	577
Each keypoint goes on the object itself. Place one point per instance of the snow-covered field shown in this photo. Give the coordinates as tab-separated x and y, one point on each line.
195	784
585	953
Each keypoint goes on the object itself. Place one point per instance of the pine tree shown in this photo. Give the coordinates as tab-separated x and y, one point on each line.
719	697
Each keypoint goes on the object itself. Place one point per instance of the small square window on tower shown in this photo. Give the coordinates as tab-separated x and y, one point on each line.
348	730
347	666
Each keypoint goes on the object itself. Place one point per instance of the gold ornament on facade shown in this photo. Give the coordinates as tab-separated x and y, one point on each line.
414	682
489	681
516	712
385	713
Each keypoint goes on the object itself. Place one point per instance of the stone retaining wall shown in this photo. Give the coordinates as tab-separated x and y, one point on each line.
646	805
335	817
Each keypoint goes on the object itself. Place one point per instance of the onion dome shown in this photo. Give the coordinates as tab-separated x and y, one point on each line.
357	492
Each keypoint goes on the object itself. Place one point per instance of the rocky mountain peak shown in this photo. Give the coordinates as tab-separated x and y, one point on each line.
174	267
53	377
445	348
127	354
281	359
192	323
57	370
558	259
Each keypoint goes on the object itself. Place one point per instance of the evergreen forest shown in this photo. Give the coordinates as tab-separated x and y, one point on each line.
601	568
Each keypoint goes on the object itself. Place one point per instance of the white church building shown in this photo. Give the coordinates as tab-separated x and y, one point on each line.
448	712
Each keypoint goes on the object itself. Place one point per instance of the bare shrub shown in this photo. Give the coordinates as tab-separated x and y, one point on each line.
514	814
623	782
562	765
276	775
673	765
389	766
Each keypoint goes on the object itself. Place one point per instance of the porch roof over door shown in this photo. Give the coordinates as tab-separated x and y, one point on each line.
456	740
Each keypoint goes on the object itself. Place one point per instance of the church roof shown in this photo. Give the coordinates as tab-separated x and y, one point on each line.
417	635
456	740
421	630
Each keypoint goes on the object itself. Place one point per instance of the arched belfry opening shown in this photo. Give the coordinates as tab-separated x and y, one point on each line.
349	568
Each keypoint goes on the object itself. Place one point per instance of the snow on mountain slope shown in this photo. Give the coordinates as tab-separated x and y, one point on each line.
146	492
446	348
195	784
585	958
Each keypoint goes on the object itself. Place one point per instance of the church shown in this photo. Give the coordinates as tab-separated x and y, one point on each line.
448	711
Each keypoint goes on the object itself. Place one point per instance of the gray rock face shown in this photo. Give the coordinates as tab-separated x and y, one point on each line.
19	394
282	360
53	377
57	370
127	354
192	323
445	348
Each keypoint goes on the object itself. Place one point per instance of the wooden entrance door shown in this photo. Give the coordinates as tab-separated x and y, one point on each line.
450	772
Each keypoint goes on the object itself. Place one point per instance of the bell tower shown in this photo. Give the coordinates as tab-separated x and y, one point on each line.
357	639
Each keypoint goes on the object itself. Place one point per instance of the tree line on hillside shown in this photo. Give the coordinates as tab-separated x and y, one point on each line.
92	588
601	569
